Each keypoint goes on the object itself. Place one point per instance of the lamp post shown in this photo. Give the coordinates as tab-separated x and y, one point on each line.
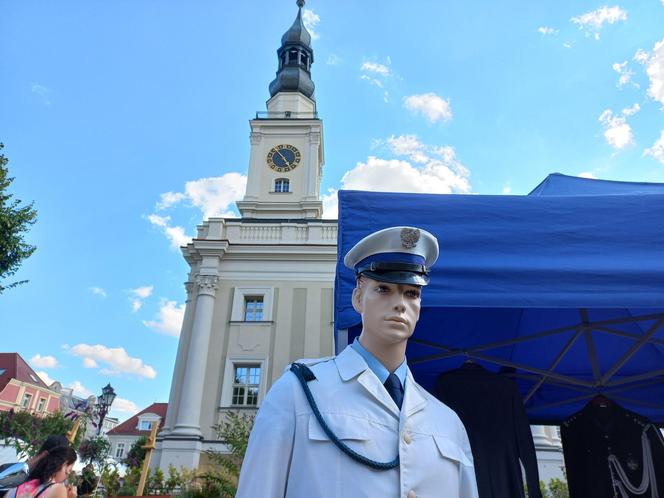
104	403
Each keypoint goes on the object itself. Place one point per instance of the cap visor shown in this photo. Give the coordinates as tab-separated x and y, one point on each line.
398	277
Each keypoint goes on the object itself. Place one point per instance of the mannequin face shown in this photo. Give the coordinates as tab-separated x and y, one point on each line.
389	311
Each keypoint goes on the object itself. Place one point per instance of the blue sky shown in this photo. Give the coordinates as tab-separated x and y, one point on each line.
127	123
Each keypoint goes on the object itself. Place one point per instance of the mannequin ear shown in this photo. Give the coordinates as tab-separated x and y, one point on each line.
357	299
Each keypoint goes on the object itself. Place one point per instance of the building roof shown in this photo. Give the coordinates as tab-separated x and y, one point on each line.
13	366
130	426
295	59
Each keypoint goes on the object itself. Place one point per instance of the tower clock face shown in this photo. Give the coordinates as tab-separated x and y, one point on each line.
282	158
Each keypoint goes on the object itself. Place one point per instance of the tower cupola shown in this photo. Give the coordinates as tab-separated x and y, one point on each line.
295	59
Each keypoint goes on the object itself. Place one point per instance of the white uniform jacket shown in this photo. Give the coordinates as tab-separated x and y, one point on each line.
290	456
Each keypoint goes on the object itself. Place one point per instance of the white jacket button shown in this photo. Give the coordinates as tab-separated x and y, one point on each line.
407	438
412	494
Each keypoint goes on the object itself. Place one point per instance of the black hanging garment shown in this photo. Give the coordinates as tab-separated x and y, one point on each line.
611	452
491	409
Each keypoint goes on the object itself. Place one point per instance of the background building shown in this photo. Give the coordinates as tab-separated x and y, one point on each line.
22	389
123	436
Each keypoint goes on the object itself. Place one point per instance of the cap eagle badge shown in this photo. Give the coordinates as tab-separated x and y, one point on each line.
409	237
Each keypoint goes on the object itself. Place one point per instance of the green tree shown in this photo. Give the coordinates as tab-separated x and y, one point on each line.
15	220
136	453
95	451
27	432
225	468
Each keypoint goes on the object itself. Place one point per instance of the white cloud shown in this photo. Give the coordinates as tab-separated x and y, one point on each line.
98	291
39	361
641	56
169	320
546	30
169	199
625	74
79	389
45	377
568	44
630	111
507	189
617	131
375	68
333	60
655	71
139	295
42	91
404	145
372	81
377	75
175	234
657	149
432	106
311	20
330	204
593	22
117	360
588	174
89	363
214	197
428	169
125	406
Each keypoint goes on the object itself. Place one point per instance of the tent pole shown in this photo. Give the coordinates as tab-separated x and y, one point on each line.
632	351
635	378
553	366
620	333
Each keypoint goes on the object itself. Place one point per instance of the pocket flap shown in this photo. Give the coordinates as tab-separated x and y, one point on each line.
451	450
343	426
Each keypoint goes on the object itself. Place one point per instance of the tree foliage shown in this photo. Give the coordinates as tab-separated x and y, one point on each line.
222	478
27	432
15	221
95	451
136	453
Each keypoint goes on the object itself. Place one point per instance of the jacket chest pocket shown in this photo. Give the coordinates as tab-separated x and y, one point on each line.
449	450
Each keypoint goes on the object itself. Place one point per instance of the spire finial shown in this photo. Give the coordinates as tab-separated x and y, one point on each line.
300	3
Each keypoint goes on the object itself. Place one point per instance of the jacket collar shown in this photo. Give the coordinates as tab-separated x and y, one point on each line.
350	364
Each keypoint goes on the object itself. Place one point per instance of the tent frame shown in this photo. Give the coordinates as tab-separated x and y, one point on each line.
602	383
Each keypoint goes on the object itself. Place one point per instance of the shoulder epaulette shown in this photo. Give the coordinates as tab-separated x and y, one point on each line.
310	361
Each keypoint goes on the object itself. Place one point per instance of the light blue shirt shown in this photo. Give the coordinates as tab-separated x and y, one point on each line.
377	367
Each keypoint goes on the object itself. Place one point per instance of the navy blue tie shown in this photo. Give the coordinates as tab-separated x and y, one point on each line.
395	389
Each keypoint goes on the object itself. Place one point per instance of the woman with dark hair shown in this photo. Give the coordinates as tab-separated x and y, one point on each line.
47	478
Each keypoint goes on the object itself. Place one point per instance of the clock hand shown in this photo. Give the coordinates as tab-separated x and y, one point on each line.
282	156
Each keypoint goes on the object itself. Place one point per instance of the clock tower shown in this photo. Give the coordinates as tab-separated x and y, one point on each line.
286	160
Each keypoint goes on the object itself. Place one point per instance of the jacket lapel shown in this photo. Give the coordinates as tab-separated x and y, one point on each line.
413	400
350	365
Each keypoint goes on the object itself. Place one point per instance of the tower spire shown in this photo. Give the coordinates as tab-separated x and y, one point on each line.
295	58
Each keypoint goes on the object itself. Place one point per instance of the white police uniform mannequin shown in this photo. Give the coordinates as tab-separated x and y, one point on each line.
291	455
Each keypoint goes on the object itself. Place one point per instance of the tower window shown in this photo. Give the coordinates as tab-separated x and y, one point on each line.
293	56
282	185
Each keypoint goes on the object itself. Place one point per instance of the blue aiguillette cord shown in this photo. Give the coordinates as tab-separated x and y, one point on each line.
304	375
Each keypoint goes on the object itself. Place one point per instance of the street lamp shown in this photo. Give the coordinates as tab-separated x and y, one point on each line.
104	403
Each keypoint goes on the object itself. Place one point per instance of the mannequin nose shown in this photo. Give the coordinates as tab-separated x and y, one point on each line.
400	305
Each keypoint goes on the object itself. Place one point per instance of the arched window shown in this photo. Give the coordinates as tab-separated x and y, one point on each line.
282	185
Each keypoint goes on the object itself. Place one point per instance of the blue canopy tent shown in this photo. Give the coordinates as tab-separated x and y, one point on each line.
564	287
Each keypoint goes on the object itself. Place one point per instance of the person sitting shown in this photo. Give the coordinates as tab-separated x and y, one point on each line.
47	478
